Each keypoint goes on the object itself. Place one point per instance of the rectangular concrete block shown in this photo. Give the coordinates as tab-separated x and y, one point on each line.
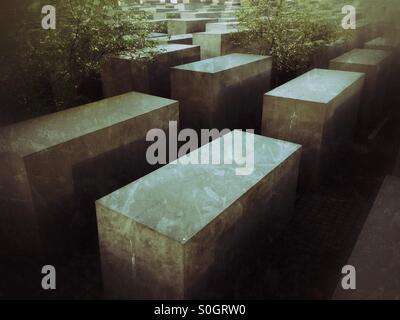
180	233
325	54
381	43
222	26
167	15
317	110
216	43
183	26
124	73
365	31
376	65
54	167
222	92
391	45
375	256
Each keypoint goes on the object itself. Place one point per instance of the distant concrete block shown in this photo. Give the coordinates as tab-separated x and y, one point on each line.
222	26
376	65
177	39
222	92
183	26
216	43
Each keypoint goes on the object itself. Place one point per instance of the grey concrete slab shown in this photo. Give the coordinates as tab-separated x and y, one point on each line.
55	166
216	43
183	26
177	39
376	65
222	92
222	26
174	232
319	111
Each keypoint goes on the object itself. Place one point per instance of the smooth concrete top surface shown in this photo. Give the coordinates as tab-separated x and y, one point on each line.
222	63
368	57
40	133
178	200
317	85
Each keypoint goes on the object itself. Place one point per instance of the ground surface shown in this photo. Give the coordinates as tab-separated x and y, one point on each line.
328	220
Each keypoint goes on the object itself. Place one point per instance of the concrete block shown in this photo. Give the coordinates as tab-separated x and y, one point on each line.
180	233
216	43
376	65
319	111
222	92
124	73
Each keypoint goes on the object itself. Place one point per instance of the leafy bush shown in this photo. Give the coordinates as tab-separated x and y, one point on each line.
50	70
288	32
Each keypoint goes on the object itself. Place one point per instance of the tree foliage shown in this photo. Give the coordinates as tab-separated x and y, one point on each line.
47	68
289	32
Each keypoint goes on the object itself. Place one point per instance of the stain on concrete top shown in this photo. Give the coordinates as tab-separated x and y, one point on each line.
222	63
317	85
178	200
368	57
40	133
382	43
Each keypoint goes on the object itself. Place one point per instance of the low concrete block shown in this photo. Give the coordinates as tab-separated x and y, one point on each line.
54	167
222	26
319	111
180	233
391	45
193	15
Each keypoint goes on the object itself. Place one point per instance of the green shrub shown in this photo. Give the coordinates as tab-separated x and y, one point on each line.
51	70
